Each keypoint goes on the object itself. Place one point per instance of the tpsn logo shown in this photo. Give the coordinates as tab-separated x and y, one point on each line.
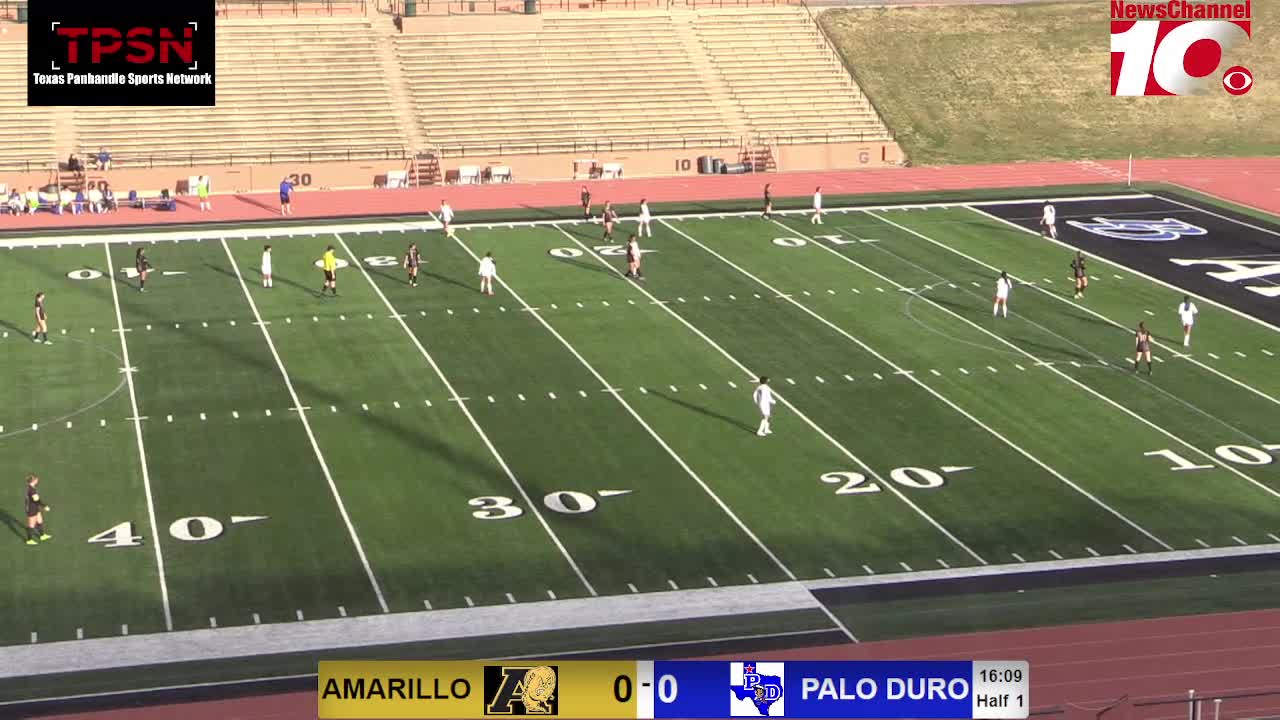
1140	230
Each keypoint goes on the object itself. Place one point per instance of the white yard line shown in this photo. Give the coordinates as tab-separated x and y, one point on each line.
805	418
1077	383
658	438
1100	316
944	399
128	371
975	208
306	424
453	395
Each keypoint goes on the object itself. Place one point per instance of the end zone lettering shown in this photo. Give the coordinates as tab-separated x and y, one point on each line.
1181	10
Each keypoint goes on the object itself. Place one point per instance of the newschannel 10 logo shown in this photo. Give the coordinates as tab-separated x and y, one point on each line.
1173	47
141	52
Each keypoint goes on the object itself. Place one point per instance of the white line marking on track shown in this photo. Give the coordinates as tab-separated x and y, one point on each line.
529	503
142	451
315	445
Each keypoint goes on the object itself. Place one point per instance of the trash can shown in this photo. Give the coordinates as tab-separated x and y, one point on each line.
716	165
704	164
410	8
530	7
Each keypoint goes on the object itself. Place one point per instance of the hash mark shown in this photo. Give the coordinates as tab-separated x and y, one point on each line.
674	389
1238	540
34	638
213	622
1018	557
1055	554
521	396
936	373
963	371
905	566
673	584
256	619
869	570
878	376
943	563
848	377
235	414
643	391
753	579
79	633
904	372
1149	313
426	604
1131	550
1075	364
470	602
992	369
333	408
790	381
1273	537
732	385
828	572
1240	354
511	598
551	395
819	378
1092	551
632	588
396	403
1201	543
712	581
1268	353
551	594
1215	357
1019	366
704	387
124	629
299	613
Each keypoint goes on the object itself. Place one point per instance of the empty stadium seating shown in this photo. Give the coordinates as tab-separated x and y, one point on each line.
780	70
26	134
620	80
287	89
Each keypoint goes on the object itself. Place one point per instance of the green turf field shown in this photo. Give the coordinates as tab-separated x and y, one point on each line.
240	455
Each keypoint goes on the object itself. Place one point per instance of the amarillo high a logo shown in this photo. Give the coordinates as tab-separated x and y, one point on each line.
521	690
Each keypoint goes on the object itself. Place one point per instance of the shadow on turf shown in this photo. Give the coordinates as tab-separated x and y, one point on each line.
12	523
703	411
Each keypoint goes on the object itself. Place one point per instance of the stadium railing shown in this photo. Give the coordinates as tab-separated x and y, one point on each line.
1254	703
274	157
498	7
9	10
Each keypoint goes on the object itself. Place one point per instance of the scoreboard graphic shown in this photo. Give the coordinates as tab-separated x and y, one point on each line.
963	690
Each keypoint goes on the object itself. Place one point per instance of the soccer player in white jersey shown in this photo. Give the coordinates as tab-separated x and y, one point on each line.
763	397
644	219
488	269
1049	220
1187	311
1003	286
446	217
817	206
266	266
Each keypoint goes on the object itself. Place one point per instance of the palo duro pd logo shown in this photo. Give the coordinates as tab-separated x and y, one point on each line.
1176	47
141	52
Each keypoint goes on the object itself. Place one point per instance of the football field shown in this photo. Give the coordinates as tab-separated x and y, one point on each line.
218	454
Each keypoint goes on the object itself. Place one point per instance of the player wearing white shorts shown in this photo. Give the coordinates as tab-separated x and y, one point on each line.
1187	311
266	266
1048	221
763	397
1003	286
488	269
817	206
446	218
644	219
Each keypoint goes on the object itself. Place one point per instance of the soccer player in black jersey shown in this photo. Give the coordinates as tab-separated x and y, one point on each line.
1080	274
585	197
41	333
767	213
36	508
411	261
141	265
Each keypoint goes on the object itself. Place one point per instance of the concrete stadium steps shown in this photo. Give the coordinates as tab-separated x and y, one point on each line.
789	83
285	87
26	133
624	78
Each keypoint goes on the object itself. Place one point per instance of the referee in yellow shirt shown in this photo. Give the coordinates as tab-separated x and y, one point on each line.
330	264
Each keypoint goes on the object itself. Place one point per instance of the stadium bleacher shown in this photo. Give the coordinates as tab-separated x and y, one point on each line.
26	133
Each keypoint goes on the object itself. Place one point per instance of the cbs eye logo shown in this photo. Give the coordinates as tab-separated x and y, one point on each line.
1160	57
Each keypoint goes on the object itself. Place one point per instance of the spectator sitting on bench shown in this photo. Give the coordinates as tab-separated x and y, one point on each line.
77	205
15	202
33	200
65	197
95	200
104	159
74	164
109	203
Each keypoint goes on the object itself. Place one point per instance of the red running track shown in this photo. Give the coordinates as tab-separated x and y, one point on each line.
1252	181
1089	665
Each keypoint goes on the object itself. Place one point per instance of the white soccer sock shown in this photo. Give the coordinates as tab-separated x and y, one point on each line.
764	426
995	309
1004	310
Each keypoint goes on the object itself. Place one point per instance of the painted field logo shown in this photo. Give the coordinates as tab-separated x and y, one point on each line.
143	52
1166	230
1170	48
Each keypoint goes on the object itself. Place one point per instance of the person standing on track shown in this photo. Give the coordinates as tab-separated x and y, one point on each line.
286	197
1144	347
446	217
767	212
266	266
41	333
411	261
817	206
202	190
608	217
36	508
645	217
1048	221
1187	312
329	263
763	398
1003	286
141	265
585	198
1080	274
488	270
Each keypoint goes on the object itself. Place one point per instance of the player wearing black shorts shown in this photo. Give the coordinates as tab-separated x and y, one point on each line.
411	261
767	213
36	508
1080	274
141	265
1144	347
585	197
608	217
41	333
